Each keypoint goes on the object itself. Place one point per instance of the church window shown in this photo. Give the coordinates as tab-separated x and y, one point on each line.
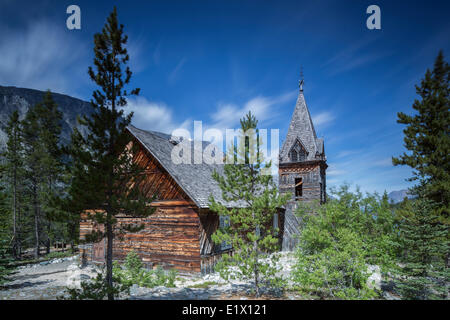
298	152
294	156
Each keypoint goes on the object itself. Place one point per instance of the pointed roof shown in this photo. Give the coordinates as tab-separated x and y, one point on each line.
195	179
301	128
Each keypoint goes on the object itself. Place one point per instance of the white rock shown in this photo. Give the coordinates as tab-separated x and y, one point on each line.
374	281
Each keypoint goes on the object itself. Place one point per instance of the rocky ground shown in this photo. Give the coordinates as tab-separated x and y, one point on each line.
45	280
48	280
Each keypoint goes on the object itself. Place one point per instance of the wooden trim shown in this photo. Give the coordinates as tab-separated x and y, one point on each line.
171	203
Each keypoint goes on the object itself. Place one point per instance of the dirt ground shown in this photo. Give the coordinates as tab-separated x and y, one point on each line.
41	281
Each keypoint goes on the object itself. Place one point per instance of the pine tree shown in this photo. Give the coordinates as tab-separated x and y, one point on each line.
13	173
34	151
427	137
424	241
106	178
249	227
50	119
42	166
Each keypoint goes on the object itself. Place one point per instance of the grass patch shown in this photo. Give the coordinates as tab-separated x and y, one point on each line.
203	285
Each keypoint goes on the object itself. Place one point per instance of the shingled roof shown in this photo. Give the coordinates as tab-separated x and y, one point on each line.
195	179
302	129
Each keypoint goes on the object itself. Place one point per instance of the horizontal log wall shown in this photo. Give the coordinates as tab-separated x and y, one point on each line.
170	238
175	236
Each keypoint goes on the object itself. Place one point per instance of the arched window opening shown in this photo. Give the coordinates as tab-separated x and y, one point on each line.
294	157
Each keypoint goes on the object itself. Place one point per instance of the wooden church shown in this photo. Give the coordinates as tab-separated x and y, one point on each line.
302	167
178	234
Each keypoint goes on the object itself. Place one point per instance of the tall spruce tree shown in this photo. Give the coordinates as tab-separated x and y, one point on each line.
423	242
50	118
427	137
249	226
13	173
43	163
106	179
34	152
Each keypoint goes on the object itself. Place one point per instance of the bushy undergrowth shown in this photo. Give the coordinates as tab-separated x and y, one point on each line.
133	272
338	242
60	254
5	262
96	289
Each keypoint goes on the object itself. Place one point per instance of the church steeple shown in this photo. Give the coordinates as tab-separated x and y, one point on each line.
301	132
302	167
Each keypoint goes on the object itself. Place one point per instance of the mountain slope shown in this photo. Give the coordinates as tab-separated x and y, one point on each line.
12	98
398	195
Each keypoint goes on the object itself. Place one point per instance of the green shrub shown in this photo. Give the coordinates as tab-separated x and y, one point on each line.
96	289
59	254
338	242
6	261
124	276
133	272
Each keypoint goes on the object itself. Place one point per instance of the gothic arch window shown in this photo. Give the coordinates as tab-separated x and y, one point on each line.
294	156
298	152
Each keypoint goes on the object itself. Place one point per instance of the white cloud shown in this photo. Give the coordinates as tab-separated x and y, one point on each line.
386	162
153	116
43	57
174	74
371	168
322	119
227	115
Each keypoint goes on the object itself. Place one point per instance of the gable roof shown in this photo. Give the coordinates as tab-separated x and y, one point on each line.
301	128
195	179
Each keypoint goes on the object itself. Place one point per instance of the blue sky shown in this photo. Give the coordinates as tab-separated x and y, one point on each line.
214	60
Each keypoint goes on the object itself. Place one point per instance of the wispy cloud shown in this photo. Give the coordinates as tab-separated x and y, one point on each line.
228	115
175	72
323	119
369	167
353	56
154	116
42	57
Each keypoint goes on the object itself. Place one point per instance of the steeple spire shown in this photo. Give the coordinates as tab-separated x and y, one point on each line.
301	129
301	81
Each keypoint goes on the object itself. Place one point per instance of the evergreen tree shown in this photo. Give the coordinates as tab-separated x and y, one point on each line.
34	151
42	166
106	179
424	241
249	228
427	137
50	119
13	173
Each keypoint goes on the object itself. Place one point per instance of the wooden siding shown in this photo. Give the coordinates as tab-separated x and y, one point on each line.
157	180
170	238
175	236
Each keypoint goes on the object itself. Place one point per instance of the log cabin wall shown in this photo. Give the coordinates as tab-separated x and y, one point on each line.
175	236
170	237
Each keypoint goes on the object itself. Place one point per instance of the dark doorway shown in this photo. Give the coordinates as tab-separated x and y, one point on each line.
298	187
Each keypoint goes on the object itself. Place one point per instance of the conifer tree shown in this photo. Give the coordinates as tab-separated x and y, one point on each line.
13	173
106	179
424	242
43	165
34	152
249	226
427	137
